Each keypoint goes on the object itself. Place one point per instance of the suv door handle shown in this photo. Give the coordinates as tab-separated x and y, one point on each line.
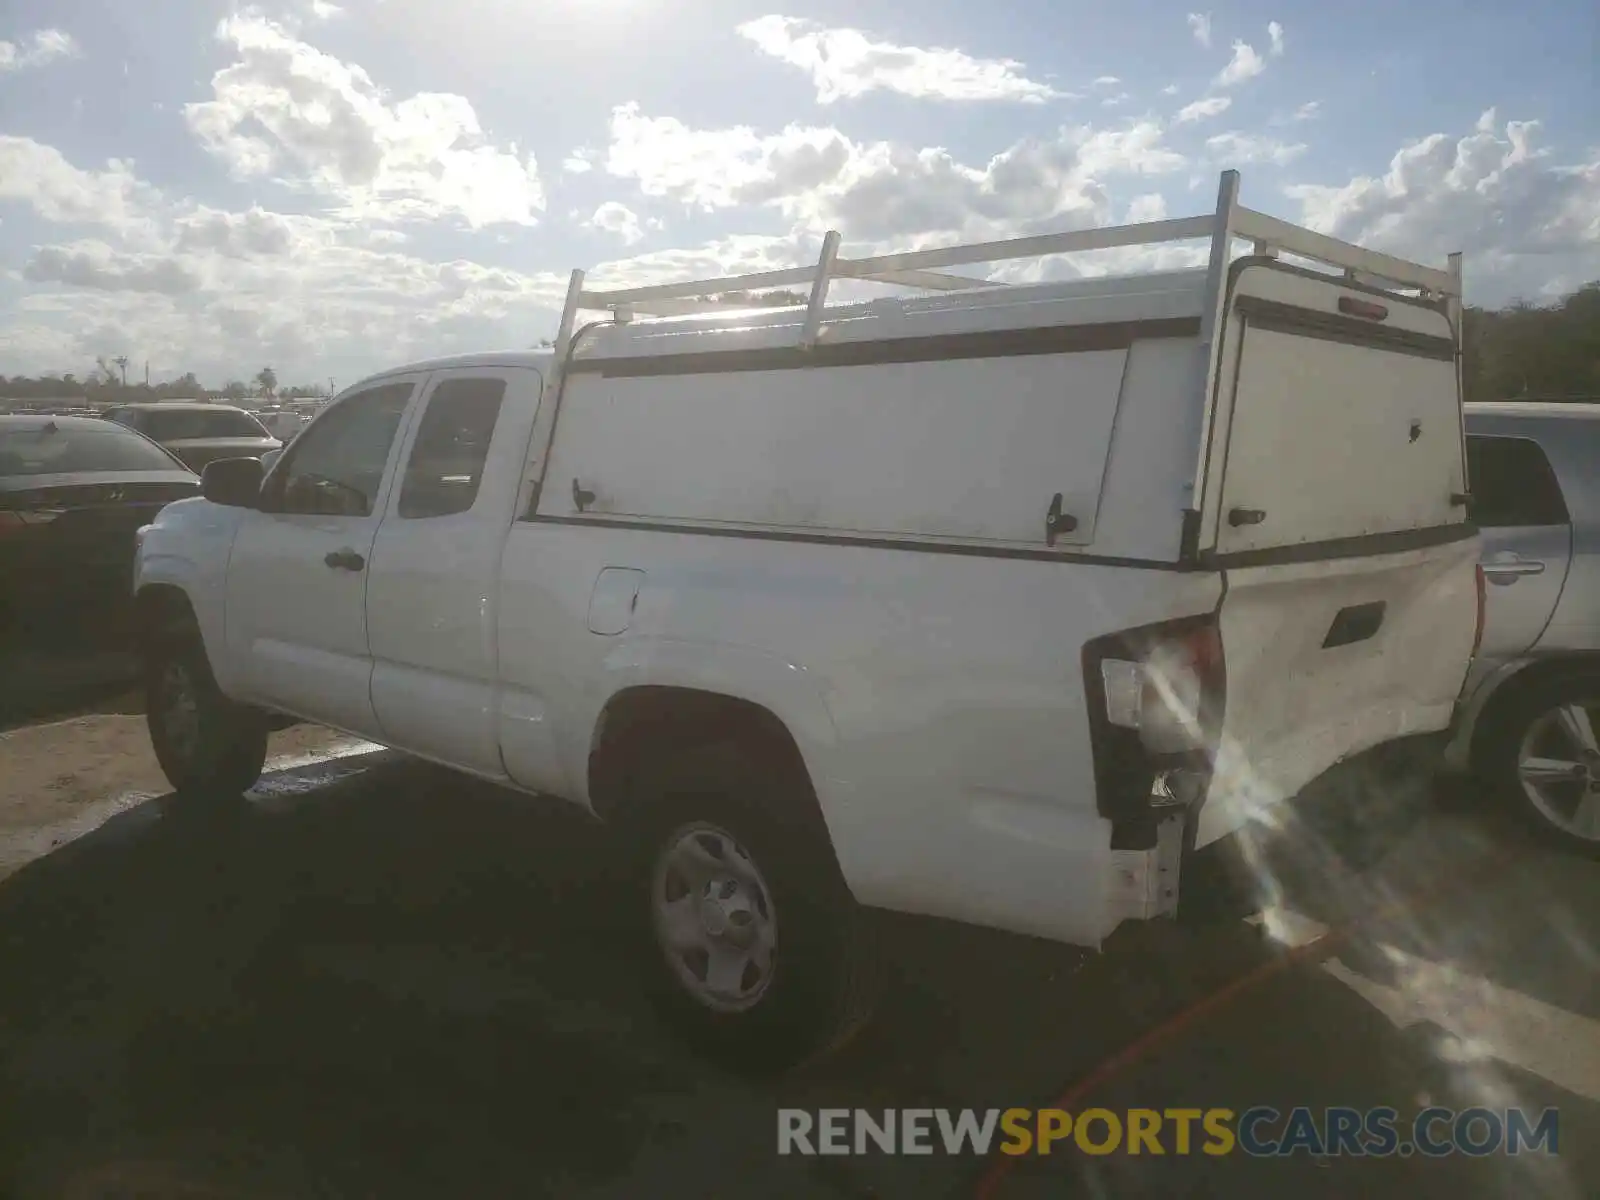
1508	570
344	560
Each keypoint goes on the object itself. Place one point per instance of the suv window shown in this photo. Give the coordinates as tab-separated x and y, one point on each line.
336	467
179	424
451	446
1512	483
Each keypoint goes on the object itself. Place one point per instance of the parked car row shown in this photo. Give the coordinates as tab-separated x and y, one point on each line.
197	433
74	489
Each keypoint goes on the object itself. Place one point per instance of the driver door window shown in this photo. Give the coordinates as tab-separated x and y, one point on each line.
336	468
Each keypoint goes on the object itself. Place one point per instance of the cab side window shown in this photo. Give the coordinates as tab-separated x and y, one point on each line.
336	468
1512	483
451	447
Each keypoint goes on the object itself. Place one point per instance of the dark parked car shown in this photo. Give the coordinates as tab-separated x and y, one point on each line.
73	491
198	433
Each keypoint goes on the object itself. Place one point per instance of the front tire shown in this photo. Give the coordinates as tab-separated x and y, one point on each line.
757	953
204	742
1542	756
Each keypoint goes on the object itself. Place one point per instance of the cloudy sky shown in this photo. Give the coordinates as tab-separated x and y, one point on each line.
331	187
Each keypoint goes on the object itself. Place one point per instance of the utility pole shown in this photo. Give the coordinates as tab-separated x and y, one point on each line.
122	365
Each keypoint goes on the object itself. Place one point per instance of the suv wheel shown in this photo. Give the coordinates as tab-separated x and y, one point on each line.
203	741
1544	757
756	951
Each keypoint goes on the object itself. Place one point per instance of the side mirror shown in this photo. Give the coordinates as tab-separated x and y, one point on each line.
235	482
270	457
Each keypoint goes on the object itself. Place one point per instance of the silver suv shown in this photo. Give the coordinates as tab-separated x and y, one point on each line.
1529	718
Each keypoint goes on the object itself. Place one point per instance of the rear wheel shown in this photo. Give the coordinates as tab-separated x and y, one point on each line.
203	741
1542	755
756	950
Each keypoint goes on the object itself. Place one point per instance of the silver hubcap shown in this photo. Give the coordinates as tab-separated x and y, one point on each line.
180	710
1559	766
714	918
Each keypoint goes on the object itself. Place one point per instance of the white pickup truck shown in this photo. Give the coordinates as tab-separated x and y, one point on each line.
989	604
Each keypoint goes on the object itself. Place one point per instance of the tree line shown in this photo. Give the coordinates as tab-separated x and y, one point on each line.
107	381
1532	351
1522	351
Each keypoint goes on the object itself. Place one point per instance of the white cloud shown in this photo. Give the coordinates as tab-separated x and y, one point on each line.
1528	225
579	162
38	175
220	292
620	220
43	47
1107	81
1152	206
1200	28
330	304
720	168
1245	64
251	234
1208	106
95	265
287	109
1170	90
1242	148
197	288
322	10
822	179
847	63
1275	33
1308	111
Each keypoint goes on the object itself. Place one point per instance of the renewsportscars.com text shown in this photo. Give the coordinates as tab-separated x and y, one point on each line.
1260	1131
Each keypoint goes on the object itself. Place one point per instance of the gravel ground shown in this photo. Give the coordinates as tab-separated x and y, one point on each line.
62	778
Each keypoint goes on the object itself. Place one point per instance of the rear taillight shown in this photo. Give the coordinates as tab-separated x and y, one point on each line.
1483	605
1156	696
1365	309
1166	690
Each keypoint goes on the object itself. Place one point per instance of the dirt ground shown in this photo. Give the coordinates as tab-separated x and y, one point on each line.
60	779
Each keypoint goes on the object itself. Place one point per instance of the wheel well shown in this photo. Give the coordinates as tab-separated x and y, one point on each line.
642	725
160	610
1511	690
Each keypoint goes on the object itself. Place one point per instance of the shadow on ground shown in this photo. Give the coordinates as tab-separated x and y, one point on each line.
378	979
36	686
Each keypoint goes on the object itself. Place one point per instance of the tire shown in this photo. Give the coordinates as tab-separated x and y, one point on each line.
1530	726
774	899
204	742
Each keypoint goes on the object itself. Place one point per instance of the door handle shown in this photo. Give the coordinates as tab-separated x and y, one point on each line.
344	560
1507	571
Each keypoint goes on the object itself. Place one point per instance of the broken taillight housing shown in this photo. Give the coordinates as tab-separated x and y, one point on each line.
1156	696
